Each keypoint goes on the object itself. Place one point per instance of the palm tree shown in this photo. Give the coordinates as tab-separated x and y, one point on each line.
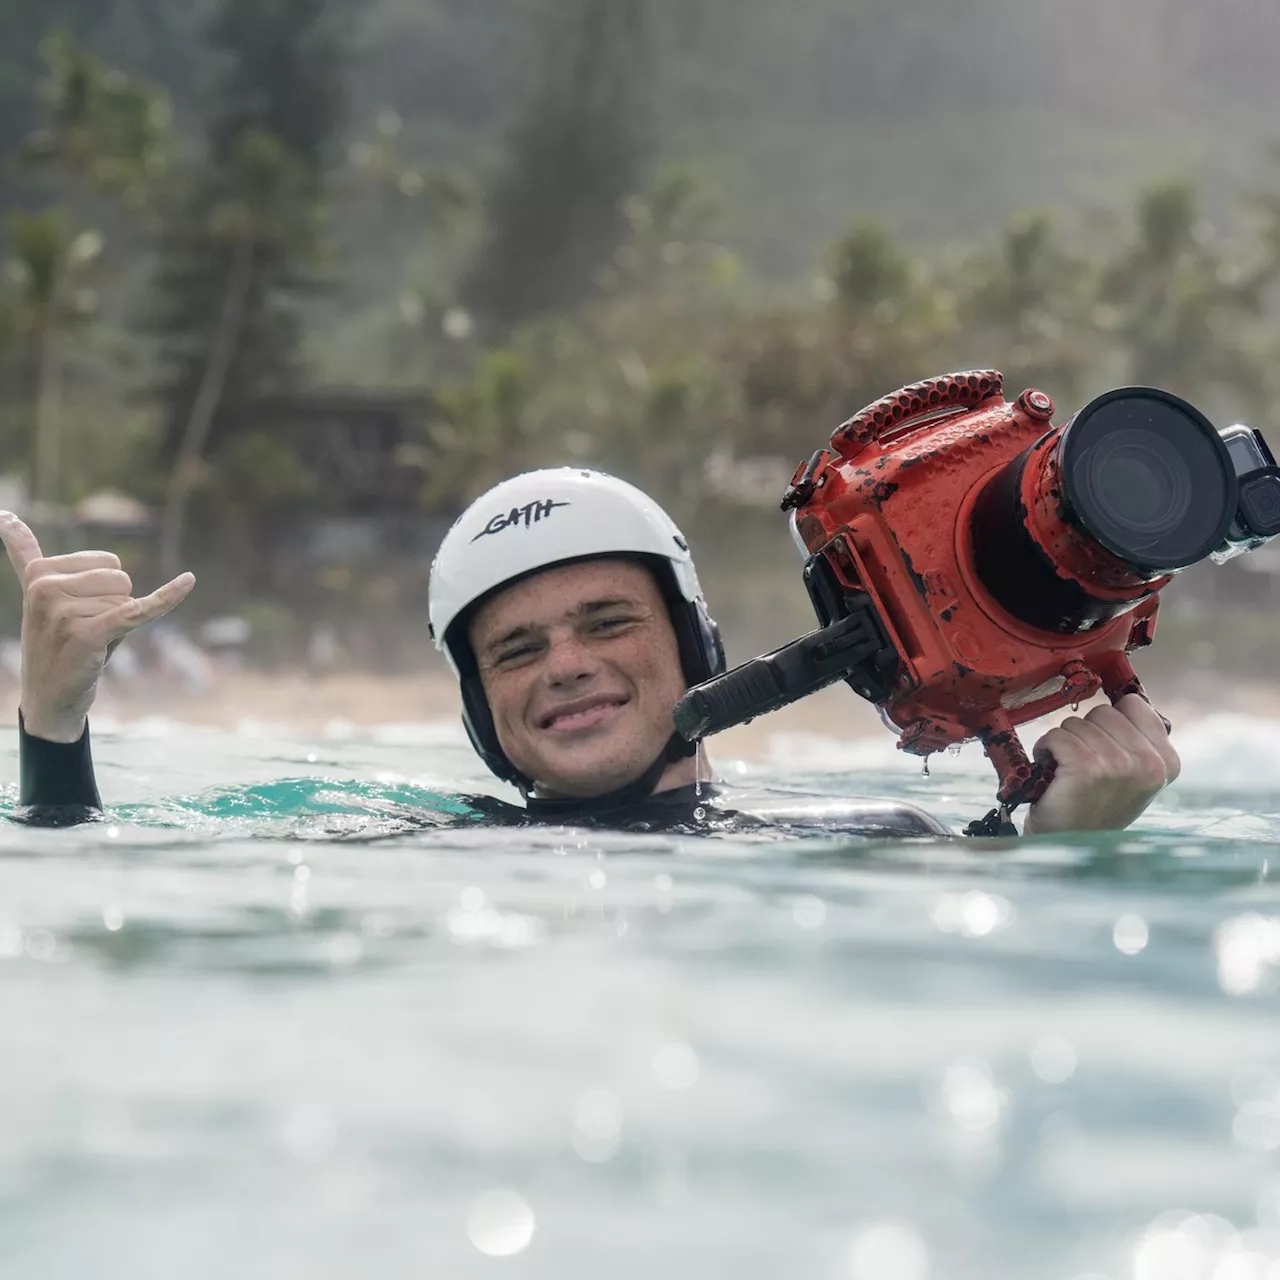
110	134
267	201
1185	306
110	131
1029	297
44	266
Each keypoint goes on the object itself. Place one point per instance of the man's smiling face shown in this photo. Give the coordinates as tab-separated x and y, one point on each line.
581	669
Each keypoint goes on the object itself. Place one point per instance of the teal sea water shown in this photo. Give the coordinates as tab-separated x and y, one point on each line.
255	1026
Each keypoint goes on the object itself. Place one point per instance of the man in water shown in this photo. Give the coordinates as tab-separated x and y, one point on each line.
567	604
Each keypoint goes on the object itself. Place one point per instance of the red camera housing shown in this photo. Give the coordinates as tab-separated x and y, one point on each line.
891	508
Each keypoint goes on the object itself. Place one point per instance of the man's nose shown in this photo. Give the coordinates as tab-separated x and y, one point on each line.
568	659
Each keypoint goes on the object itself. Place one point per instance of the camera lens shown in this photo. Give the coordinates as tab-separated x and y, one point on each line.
1149	478
1260	506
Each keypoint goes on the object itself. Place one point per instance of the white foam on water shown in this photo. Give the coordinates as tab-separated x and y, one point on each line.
1224	751
432	733
1230	751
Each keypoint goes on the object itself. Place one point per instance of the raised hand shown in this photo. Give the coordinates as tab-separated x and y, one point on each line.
75	609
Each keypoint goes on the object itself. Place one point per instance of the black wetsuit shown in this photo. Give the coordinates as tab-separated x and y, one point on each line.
58	788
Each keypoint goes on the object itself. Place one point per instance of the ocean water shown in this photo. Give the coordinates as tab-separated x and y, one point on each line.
251	1028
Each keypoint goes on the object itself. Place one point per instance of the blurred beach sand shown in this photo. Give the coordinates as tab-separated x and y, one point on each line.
313	705
307	705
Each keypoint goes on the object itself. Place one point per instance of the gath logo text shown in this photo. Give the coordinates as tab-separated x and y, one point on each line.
527	516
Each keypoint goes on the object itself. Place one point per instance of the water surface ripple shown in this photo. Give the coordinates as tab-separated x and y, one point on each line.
256	1025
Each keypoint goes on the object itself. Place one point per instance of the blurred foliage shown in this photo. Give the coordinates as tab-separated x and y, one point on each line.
110	131
575	152
258	190
1176	294
241	238
101	135
529	215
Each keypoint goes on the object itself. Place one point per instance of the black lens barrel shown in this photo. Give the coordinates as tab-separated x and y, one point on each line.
1141	474
1147	476
1017	573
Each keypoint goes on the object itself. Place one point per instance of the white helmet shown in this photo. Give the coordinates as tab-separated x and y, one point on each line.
546	518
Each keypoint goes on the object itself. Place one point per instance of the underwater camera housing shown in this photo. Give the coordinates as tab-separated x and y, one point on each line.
974	567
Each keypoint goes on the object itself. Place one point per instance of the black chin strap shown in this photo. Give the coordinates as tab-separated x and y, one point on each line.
633	793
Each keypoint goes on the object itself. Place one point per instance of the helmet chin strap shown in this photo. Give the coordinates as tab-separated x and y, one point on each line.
632	793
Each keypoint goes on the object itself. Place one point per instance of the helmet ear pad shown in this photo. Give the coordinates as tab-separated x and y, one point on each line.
701	655
697	636
477	719
712	645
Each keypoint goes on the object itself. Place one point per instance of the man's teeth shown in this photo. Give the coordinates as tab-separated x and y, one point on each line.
570	716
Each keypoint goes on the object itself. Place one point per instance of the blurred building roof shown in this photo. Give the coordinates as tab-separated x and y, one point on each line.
368	450
114	509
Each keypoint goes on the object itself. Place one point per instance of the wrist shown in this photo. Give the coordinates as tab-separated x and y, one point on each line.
1047	823
51	728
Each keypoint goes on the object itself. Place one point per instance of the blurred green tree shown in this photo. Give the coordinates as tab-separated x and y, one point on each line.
241	242
576	150
259	215
882	320
102	133
416	220
23	26
1025	304
110	131
1181	304
49	301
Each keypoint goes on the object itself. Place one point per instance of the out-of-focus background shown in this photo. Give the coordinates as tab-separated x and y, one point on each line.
288	282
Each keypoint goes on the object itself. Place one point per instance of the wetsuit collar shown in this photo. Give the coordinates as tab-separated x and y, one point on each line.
624	797
676	748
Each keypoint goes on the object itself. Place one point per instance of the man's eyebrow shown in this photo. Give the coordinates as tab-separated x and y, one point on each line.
588	608
599	606
508	637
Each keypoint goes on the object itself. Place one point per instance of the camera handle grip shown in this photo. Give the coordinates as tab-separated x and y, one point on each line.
950	393
851	646
1021	780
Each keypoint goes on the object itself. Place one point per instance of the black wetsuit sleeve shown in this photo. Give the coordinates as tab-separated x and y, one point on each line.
56	784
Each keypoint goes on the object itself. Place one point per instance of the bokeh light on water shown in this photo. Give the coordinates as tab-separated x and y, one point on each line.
1053	1059
270	1030
888	1251
1248	949
1130	934
500	1223
675	1066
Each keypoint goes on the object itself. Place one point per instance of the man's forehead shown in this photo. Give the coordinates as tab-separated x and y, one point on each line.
542	598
